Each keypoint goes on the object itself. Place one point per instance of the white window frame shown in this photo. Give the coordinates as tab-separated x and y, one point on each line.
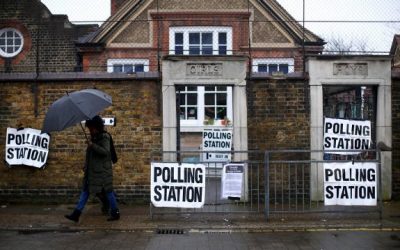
199	122
268	61
5	53
112	62
202	29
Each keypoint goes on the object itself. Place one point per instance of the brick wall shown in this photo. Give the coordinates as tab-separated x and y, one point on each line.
137	134
50	36
396	138
279	119
278	114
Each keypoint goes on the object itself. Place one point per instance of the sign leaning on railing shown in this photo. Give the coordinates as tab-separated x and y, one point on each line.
350	135
178	185
350	184
27	147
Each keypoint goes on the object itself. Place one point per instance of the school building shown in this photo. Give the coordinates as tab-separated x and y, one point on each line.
175	69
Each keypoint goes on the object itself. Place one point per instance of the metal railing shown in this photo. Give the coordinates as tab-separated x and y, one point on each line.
294	182
277	182
252	201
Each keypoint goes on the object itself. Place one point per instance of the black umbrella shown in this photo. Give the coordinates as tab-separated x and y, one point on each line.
75	107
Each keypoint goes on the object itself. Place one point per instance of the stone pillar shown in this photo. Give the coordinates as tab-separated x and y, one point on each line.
350	70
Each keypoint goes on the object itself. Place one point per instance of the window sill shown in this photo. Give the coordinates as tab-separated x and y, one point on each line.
201	128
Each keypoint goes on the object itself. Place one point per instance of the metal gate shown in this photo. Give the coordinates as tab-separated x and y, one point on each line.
254	191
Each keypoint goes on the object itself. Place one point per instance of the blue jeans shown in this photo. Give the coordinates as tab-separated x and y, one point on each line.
83	198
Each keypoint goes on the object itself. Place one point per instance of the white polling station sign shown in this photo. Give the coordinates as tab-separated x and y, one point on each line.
178	185
350	184
342	134
217	140
27	147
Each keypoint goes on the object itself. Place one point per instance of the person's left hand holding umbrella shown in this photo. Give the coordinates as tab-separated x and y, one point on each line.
74	108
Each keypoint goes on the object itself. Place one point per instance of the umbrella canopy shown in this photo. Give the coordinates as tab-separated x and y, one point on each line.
74	108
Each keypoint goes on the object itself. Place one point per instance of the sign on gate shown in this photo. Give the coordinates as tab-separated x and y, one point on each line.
178	185
341	134
217	140
350	184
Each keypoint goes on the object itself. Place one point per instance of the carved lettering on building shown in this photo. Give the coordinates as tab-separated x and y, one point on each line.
204	69
346	69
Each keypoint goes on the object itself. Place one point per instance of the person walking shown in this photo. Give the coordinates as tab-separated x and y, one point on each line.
98	170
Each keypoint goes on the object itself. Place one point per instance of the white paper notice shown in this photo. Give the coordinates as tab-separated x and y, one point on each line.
232	181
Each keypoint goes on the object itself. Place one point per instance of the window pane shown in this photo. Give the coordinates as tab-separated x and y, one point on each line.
117	68
178	38
3	48
192	88
182	100
139	68
207	50
209	99
221	99
273	68
10	50
18	41
222	38
191	99
209	112
222	50
284	68
221	112
182	113
179	50
206	38
210	88
221	88
3	35
194	38
192	113
10	41
262	68
194	50
2	42
10	34
128	68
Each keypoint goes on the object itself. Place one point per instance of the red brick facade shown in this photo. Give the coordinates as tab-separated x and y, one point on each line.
253	33
49	40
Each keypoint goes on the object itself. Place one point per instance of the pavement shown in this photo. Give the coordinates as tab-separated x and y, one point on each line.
136	218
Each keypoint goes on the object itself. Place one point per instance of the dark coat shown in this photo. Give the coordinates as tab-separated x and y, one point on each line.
98	165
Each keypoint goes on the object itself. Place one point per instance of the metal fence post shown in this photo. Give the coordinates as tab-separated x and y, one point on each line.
266	184
379	156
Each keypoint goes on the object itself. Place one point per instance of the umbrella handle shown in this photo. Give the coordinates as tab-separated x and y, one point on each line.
87	139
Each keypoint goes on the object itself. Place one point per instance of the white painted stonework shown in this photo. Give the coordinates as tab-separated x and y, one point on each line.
231	72
350	70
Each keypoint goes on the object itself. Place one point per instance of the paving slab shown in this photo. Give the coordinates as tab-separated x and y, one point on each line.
28	217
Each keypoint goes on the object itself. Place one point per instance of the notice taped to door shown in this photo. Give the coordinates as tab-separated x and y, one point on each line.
178	185
350	184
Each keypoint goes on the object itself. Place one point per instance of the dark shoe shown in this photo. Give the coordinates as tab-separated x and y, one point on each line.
74	216
114	215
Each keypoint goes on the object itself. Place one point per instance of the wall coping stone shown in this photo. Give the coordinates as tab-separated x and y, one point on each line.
73	76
